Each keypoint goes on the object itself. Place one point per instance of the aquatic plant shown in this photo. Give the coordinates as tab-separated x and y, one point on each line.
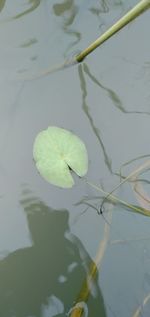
56	151
138	9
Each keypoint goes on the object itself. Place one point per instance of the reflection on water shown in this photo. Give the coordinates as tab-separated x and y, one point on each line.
98	10
33	5
68	10
29	42
66	6
145	72
2	4
111	94
116	101
48	275
102	7
86	109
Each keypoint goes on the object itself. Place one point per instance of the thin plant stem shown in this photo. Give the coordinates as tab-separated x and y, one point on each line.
128	17
129	177
113	198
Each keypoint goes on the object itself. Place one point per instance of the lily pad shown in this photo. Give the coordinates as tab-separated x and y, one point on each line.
56	152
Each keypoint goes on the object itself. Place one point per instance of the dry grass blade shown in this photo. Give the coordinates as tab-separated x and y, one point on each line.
131	161
141	195
132	175
137	183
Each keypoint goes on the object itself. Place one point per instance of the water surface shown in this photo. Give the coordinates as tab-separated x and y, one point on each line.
48	240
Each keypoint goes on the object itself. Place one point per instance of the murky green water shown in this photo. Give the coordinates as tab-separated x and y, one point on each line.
47	240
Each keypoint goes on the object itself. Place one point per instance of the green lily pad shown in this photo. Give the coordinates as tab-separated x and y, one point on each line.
56	152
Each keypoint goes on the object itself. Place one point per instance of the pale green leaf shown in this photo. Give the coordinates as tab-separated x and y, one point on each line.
55	152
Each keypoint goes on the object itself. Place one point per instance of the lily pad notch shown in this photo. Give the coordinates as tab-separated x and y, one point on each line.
56	152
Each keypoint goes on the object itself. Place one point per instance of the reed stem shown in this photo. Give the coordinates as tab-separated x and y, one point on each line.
127	18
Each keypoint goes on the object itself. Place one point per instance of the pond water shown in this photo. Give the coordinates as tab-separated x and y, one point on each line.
50	237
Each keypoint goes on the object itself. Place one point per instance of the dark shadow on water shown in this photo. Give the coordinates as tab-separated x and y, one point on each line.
54	266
